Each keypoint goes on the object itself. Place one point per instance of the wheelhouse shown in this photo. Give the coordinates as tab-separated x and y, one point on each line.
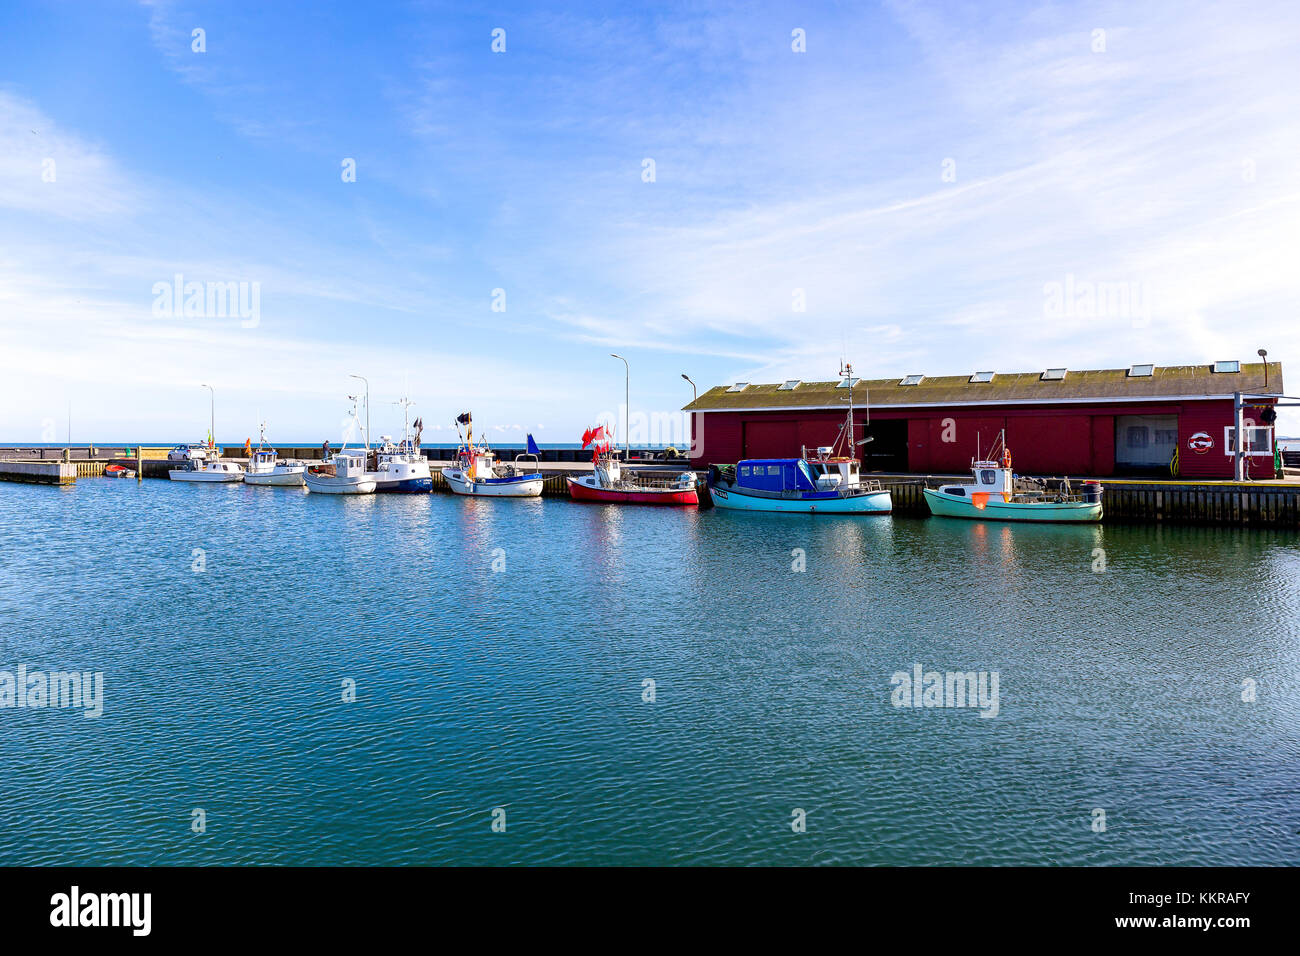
776	474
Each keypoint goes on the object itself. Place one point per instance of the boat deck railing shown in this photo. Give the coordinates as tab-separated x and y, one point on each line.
632	484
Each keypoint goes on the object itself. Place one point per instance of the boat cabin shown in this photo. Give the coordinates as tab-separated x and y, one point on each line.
349	465
776	474
834	472
991	478
608	471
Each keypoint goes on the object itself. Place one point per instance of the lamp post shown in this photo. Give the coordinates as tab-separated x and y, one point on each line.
212	415
695	395
627	404
1263	354
367	384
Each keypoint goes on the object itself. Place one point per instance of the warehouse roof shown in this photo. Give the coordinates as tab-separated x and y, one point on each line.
1137	382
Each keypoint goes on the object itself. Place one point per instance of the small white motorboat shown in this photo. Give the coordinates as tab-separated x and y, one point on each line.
344	474
476	471
212	470
265	468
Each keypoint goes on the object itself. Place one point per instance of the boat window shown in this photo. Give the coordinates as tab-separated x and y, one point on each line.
807	472
853	468
744	469
956	490
988	476
774	469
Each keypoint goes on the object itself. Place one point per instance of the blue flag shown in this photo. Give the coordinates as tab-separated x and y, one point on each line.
532	446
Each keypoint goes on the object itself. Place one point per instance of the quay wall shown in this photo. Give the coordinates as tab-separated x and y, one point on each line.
1273	504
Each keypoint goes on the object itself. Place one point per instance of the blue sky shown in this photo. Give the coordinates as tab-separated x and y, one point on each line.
922	175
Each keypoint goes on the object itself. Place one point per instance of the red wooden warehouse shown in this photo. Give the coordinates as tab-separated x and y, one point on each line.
1142	420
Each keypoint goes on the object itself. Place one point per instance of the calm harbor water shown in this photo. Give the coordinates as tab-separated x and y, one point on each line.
522	688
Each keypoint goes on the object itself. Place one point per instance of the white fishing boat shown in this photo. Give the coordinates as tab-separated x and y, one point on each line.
476	472
402	467
212	470
828	483
265	467
342	474
993	495
345	472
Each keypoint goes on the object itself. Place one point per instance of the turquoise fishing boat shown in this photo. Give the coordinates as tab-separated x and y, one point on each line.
993	496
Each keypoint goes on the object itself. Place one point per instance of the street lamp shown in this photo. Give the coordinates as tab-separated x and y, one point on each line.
695	394
627	404
212	415
363	378
1263	354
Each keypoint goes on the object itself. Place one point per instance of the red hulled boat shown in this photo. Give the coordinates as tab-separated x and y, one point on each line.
607	483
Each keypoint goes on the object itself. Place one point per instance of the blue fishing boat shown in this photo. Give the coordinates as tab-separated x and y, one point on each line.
823	485
828	483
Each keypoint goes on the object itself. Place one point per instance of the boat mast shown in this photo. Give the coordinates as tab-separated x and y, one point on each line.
406	404
846	368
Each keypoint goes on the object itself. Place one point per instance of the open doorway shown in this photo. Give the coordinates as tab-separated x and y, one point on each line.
887	450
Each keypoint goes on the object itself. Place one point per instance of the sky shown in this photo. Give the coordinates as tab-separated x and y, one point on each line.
738	192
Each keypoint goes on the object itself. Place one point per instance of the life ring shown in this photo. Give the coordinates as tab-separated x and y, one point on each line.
1006	458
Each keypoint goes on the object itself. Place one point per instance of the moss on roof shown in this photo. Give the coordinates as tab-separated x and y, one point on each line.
1169	380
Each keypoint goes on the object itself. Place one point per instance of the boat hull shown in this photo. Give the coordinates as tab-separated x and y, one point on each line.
950	506
585	489
282	480
333	485
869	503
406	486
206	477
519	486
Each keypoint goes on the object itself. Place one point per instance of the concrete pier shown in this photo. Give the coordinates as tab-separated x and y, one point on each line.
40	472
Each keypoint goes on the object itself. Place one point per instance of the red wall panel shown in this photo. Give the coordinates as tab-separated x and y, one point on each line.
1103	446
918	445
766	438
1052	444
1209	417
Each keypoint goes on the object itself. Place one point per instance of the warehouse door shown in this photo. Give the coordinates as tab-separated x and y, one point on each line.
1144	442
769	439
887	450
